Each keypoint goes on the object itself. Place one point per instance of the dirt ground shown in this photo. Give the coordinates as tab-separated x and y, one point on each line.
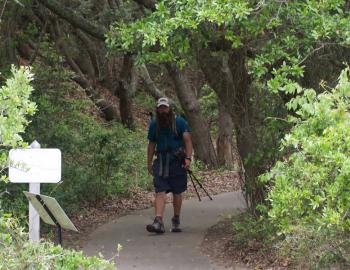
220	245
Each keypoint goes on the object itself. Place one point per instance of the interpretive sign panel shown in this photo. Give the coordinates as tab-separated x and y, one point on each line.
50	211
35	165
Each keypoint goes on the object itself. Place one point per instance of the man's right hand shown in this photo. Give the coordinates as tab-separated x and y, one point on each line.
150	169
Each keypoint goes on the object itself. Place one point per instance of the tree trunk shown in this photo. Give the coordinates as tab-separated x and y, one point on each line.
240	110
202	143
110	113
227	148
232	87
123	89
225	144
233	90
150	85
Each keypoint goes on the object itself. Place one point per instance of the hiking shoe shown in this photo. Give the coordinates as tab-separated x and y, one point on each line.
157	226
175	221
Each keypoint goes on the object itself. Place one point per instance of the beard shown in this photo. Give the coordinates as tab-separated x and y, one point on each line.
165	119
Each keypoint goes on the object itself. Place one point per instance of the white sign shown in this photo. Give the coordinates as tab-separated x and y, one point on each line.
35	165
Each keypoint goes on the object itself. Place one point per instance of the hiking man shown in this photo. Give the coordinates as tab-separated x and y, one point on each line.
170	139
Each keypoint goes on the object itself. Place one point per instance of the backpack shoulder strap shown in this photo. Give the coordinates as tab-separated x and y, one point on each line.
175	128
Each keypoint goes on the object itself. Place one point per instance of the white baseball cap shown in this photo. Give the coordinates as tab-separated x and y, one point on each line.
163	101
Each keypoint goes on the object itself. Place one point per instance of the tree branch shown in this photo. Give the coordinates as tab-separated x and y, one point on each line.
76	20
91	50
151	86
149	83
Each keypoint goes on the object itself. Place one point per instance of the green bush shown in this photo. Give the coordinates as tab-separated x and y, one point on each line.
16	252
100	159
310	193
15	106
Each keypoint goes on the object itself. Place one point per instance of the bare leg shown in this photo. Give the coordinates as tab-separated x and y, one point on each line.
177	202
159	204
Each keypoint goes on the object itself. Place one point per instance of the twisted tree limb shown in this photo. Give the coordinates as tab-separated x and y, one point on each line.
97	31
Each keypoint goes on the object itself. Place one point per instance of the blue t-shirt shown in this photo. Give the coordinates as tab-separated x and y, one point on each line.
167	139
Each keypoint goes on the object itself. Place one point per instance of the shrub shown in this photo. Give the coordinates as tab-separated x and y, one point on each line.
17	252
99	159
310	193
15	106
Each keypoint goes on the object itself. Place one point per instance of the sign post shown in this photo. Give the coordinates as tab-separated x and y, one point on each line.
34	219
34	166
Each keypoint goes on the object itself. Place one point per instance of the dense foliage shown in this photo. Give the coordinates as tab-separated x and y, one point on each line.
270	124
101	159
311	186
16	252
281	34
308	201
14	107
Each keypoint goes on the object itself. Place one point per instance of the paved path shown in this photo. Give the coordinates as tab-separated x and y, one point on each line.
181	251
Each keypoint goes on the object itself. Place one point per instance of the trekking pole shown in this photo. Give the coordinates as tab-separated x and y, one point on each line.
195	188
199	183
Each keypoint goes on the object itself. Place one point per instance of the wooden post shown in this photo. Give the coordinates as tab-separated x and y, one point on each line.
34	218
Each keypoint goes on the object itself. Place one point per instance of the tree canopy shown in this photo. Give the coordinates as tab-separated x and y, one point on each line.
279	35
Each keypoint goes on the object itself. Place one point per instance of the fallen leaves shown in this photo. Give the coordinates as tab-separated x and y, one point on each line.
222	247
